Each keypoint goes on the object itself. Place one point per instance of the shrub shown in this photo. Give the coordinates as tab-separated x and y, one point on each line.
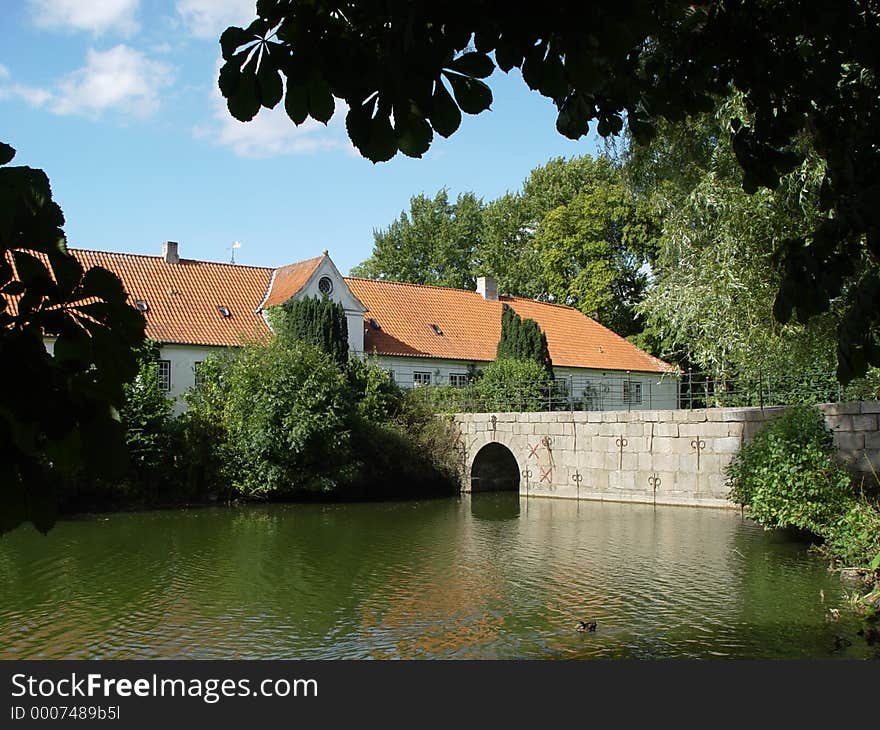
786	476
317	321
511	384
854	539
287	414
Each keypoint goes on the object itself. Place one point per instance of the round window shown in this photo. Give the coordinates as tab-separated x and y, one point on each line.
325	285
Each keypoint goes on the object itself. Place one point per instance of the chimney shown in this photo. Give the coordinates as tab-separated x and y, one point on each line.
169	252
487	288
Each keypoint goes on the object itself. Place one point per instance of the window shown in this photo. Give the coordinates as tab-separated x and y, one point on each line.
142	305
458	380
325	285
420	379
225	312
165	375
437	330
632	392
199	375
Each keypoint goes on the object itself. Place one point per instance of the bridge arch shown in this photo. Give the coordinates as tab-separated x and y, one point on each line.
494	468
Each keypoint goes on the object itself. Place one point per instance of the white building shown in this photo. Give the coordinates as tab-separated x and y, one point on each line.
422	334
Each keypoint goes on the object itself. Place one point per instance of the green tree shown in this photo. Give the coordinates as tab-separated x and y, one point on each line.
523	339
717	271
594	253
287	416
434	244
58	412
509	249
807	69
317	321
146	416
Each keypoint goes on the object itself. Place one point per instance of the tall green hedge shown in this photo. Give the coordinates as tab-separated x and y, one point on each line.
523	339
315	321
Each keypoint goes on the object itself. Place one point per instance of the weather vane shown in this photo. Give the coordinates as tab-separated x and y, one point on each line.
235	245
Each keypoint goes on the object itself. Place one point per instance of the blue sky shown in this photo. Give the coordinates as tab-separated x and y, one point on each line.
117	101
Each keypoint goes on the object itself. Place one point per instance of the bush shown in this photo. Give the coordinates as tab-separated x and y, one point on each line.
287	416
854	539
512	384
786	476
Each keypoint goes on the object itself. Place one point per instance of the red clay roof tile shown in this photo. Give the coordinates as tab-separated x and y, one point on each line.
471	327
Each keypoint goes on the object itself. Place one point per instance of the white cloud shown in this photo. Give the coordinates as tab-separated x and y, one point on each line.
209	18
94	16
31	94
120	78
271	133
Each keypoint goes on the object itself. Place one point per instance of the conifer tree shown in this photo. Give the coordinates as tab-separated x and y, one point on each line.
523	339
316	320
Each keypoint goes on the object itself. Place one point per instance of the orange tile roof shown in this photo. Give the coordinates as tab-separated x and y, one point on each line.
288	280
183	298
183	301
471	327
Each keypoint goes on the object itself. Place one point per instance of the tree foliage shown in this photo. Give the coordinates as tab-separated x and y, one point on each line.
717	268
523	339
58	412
435	244
805	69
317	321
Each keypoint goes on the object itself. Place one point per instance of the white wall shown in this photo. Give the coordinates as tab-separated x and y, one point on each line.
354	309
605	388
183	359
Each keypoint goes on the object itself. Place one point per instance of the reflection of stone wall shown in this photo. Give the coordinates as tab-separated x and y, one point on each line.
675	457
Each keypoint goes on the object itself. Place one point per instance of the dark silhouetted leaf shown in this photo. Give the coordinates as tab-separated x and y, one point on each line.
415	137
474	64
445	115
269	81
321	102
472	95
6	153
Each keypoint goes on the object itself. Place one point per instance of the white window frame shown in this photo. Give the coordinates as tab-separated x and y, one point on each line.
198	378
164	371
458	380
421	378
632	392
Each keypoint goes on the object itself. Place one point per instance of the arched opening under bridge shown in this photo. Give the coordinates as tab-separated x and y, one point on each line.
494	470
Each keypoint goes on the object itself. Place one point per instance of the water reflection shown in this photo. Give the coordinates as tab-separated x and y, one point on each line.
495	506
492	576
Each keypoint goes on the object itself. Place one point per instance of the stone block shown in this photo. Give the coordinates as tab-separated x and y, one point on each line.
872	440
645	461
866	422
839	423
686	416
609	429
869	406
587	429
849	441
841	409
735	428
728	445
665	462
716	414
594	417
666	430
630	461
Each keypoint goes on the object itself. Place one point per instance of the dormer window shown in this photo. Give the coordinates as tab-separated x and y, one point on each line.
374	324
225	312
325	285
437	330
141	305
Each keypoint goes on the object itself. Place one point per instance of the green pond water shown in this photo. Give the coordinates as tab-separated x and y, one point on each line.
490	576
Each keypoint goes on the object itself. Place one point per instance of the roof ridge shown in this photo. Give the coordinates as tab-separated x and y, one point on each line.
409	283
154	256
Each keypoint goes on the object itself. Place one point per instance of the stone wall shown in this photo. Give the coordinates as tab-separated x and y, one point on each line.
667	457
